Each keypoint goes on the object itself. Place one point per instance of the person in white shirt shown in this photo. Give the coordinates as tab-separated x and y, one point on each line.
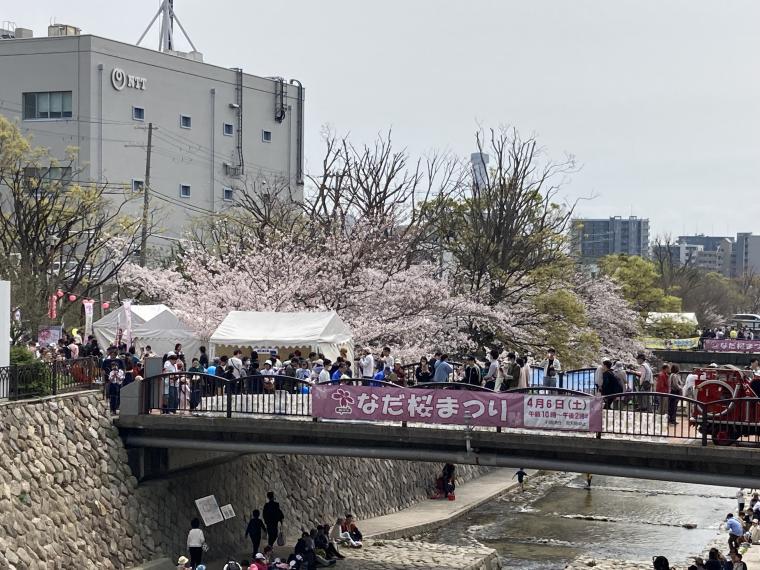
754	531
552	368
689	388
493	369
115	380
386	357
324	373
147	352
367	364
268	374
195	542
237	364
599	377
171	394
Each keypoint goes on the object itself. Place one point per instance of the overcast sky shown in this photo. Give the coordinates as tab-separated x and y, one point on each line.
658	100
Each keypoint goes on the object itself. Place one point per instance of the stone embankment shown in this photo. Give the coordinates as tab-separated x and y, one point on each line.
67	496
69	500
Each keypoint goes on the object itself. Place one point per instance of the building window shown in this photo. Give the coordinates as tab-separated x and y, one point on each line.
266	136
47	105
185	121
184	190
228	129
137	186
228	195
47	179
138	114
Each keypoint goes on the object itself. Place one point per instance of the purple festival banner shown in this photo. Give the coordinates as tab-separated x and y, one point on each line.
457	407
732	345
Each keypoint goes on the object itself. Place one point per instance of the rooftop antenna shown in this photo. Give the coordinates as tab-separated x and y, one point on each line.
166	27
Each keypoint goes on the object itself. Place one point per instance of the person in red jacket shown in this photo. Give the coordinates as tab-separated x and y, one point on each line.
662	385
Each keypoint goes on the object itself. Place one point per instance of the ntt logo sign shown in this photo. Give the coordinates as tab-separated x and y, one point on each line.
120	80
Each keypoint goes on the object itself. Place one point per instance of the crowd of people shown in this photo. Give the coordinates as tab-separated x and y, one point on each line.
726	332
267	372
318	547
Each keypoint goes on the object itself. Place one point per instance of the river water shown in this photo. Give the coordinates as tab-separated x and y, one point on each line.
548	526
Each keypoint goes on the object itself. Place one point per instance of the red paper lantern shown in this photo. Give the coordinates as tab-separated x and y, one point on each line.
105	305
72	298
59	293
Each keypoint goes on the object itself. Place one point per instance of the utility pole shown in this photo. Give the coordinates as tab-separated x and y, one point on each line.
146	199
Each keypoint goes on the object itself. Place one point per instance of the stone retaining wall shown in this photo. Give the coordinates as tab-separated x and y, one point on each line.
68	499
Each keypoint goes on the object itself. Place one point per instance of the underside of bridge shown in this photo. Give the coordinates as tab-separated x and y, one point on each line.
160	444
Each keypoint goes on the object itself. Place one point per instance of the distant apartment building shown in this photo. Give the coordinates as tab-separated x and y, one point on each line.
747	255
592	239
732	257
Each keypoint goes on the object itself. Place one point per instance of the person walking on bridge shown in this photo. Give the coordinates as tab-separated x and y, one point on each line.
273	517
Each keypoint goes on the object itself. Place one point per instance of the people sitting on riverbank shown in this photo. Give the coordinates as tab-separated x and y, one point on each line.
660	563
339	536
349	526
324	546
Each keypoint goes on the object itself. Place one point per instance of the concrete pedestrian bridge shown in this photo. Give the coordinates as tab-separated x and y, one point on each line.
229	418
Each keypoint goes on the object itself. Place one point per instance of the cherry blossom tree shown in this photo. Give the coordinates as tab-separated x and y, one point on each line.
368	241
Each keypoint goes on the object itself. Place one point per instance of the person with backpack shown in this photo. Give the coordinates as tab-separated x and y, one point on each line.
273	517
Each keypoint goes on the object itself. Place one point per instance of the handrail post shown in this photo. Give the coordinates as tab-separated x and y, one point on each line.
704	426
54	378
229	398
561	379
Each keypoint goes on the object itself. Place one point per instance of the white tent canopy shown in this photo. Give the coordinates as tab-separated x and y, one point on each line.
323	332
684	318
153	325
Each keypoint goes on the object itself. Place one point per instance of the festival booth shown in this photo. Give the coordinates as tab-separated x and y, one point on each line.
152	325
283	333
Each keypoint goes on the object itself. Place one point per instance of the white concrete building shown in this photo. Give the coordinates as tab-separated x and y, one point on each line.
218	132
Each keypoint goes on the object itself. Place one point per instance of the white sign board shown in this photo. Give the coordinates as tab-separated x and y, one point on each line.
557	412
228	512
5	325
209	510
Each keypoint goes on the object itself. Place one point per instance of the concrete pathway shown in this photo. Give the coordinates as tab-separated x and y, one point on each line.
752	557
429	515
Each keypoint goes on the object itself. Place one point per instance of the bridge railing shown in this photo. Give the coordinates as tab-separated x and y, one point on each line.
452	386
628	415
193	393
40	378
580	380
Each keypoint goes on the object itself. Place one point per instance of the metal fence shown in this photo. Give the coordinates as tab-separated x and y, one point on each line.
192	393
41	378
629	415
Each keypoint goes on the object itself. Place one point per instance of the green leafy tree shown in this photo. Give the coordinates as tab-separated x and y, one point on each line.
640	283
56	232
566	327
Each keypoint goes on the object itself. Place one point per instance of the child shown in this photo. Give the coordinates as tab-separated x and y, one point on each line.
521	475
